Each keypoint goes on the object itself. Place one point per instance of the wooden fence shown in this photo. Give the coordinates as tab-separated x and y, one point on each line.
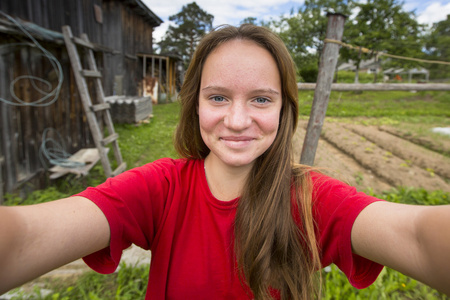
380	86
324	86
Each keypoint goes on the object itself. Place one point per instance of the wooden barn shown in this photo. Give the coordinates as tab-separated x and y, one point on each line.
39	92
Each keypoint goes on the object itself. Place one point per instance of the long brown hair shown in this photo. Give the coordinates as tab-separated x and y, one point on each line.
274	236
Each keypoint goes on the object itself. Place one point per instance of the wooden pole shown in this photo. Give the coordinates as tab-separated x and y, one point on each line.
169	91
144	65
160	72
167	80
153	66
328	61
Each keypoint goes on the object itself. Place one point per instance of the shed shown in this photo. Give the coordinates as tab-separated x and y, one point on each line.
366	66
162	76
391	72
119	30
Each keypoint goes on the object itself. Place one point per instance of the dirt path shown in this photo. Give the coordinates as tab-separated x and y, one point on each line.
368	157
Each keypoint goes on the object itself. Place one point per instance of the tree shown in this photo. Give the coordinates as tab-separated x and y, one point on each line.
303	32
192	23
438	48
383	26
249	20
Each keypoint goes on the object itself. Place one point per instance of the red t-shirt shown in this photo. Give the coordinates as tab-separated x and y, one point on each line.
167	207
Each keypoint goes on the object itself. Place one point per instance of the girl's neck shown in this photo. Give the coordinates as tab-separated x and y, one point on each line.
225	182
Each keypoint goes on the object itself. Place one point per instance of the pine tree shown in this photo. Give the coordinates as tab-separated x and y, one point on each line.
192	23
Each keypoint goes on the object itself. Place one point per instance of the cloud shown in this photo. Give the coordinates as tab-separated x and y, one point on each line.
224	11
234	11
433	13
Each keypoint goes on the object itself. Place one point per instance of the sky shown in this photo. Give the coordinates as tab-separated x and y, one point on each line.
234	11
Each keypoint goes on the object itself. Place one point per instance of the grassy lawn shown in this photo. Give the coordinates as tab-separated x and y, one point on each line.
396	105
147	142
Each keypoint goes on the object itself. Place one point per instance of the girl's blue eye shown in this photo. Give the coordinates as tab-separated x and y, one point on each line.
218	98
261	100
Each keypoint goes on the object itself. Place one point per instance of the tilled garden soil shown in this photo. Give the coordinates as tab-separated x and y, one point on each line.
379	158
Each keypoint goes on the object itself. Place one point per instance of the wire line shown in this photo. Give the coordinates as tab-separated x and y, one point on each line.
366	50
45	99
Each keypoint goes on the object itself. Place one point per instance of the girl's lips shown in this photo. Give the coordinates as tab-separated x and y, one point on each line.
237	141
236	138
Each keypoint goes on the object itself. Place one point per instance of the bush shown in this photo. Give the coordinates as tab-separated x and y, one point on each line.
309	73
349	77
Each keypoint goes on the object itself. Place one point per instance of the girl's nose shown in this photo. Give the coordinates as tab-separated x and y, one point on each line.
237	117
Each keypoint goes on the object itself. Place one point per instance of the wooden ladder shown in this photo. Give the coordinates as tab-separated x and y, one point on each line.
100	109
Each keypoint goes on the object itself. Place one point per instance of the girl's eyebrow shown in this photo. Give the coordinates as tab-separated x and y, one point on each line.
257	91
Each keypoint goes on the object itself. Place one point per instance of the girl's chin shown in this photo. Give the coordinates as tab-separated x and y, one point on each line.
239	162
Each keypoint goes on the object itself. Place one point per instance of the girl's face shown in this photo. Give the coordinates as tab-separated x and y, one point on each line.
239	102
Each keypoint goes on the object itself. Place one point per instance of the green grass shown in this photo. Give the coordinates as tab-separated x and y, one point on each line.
390	285
148	142
129	283
415	196
398	105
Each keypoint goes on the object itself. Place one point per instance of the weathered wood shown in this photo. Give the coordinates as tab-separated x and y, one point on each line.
114	98
99	107
328	61
112	138
121	168
106	114
168	78
153	66
380	86
87	100
160	76
80	42
167	74
124	30
88	156
13	133
90	73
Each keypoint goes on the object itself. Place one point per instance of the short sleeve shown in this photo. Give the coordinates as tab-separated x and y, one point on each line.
132	203
335	208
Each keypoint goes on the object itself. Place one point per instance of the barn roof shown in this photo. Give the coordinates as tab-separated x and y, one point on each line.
140	8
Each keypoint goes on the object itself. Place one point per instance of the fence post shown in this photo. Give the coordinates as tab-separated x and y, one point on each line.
328	61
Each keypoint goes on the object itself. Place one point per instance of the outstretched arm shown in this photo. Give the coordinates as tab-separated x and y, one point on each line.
414	240
38	238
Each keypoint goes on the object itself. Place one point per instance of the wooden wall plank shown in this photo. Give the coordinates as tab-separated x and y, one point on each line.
21	128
